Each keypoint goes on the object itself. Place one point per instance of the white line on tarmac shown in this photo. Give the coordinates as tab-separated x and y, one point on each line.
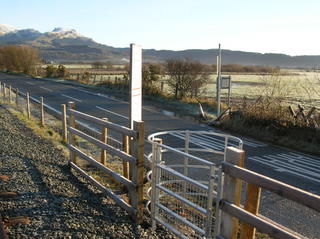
101	95
111	112
290	165
114	99
253	143
29	83
201	144
44	88
277	166
71	98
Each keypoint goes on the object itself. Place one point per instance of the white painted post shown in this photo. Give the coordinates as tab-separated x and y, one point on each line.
218	82
229	91
156	159
135	83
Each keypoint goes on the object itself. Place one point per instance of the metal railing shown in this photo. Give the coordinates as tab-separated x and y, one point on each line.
184	180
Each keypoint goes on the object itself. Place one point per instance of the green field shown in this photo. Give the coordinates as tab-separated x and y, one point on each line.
297	87
303	87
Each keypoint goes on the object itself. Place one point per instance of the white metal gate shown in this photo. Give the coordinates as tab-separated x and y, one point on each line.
184	180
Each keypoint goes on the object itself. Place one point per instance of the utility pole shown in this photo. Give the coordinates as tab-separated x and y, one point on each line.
218	81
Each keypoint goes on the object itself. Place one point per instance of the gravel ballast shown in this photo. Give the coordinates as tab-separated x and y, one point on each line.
59	203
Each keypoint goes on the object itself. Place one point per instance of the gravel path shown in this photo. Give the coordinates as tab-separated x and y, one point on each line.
59	204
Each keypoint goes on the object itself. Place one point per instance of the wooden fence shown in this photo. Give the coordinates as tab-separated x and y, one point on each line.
229	202
131	152
132	181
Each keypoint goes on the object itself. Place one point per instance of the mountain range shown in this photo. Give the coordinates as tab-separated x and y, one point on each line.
66	45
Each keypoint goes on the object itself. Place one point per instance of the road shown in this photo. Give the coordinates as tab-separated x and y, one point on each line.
289	166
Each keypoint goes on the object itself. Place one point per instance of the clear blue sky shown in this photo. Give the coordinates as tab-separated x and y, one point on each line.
277	26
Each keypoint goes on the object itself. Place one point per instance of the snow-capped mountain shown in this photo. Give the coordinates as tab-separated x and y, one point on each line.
67	45
60	33
4	28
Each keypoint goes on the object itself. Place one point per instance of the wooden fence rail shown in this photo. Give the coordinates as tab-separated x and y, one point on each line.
130	151
132	181
232	212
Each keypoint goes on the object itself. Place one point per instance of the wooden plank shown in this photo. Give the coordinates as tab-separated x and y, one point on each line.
104	139
28	105
291	110
231	191
138	170
295	194
72	138
116	176
105	190
125	148
111	150
64	122
41	112
107	124
9	94
251	205
4	92
262	225
17	97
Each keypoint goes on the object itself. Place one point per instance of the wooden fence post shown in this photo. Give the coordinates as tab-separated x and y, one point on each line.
17	97
41	112
231	192
64	123
72	138
4	92
251	205
104	139
137	171
9	94
28	105
125	148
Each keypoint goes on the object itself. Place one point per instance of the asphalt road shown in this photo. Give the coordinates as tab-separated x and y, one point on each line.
292	167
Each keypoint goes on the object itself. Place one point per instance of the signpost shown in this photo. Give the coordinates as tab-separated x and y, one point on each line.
135	83
218	81
223	82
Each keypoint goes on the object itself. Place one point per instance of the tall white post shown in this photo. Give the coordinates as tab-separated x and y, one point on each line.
135	83
219	81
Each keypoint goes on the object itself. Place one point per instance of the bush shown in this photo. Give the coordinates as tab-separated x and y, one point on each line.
19	58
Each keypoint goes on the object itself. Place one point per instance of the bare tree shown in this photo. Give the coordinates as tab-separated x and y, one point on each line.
186	77
19	58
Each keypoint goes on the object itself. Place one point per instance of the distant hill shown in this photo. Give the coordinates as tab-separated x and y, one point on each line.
66	45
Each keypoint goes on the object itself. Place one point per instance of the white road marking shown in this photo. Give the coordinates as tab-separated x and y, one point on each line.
253	143
29	83
207	141
111	112
44	88
114	99
71	98
200	141
290	163
101	95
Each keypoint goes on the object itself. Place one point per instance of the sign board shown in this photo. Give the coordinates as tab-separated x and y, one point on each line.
135	83
225	82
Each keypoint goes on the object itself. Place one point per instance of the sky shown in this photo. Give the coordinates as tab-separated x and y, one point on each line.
267	26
